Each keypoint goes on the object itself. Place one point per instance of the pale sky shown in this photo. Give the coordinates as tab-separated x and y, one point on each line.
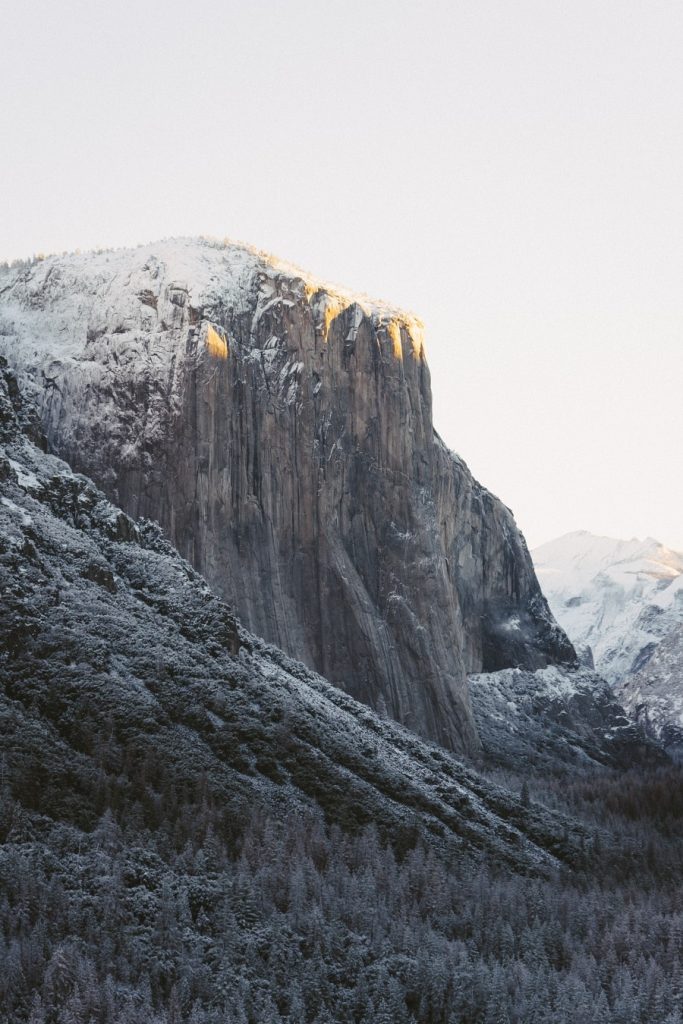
512	171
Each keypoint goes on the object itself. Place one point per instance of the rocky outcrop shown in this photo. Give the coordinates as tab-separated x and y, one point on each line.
654	694
557	720
281	433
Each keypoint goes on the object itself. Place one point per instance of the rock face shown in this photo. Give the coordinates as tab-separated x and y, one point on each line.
654	695
281	433
120	671
553	720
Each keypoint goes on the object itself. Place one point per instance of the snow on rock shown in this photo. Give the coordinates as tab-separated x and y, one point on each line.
654	695
63	304
555	718
280	431
621	603
618	597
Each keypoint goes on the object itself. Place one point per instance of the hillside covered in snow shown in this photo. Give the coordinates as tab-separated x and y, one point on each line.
654	695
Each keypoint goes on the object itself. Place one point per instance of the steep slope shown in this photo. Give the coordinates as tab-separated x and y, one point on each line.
654	695
281	433
555	721
620	598
124	678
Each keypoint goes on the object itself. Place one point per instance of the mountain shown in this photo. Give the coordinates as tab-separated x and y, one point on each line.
555	722
124	675
280	431
621	603
618	597
654	694
195	828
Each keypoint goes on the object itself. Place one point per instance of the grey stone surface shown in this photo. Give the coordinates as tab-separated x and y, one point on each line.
114	652
281	433
654	695
556	720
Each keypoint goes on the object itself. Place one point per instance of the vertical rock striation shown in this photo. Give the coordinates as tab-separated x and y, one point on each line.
281	433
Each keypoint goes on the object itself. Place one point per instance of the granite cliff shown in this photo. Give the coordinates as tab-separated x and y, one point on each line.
654	694
281	433
116	656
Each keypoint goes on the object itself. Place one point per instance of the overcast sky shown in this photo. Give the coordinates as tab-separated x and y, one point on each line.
512	171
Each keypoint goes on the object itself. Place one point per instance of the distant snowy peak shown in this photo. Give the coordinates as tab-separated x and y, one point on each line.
581	556
618	597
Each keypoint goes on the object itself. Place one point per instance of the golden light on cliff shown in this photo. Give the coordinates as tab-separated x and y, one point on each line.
406	328
398	326
327	311
394	334
216	343
417	334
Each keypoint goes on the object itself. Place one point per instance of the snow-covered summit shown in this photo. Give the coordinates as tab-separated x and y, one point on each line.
580	555
618	597
196	261
48	296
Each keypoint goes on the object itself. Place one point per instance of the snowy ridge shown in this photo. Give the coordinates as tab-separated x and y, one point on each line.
89	288
654	695
113	321
554	719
